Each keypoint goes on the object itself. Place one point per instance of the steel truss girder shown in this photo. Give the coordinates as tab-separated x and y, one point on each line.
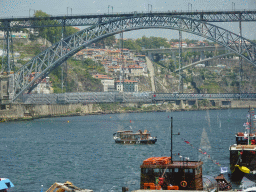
145	97
54	56
85	20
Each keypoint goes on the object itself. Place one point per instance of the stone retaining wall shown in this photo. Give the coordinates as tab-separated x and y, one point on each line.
21	110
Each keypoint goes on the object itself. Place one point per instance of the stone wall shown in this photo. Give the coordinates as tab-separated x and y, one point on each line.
15	111
21	110
243	104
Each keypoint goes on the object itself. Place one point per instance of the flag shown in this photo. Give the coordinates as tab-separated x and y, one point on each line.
223	170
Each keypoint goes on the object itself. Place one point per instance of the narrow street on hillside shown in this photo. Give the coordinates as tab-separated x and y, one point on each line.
151	73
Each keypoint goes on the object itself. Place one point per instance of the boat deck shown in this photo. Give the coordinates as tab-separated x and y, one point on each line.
174	164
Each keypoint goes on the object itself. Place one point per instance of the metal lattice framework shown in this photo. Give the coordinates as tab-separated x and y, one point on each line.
54	56
95	19
111	97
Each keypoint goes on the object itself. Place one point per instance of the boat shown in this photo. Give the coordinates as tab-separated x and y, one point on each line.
128	137
67	186
5	184
163	173
243	152
223	184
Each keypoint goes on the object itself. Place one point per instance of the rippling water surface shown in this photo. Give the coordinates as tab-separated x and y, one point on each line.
81	149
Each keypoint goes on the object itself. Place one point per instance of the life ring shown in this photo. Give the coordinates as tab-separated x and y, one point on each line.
183	183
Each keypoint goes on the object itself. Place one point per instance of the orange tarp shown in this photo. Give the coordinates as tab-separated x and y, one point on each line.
157	161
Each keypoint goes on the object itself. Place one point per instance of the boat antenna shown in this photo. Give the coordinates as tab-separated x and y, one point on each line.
171	138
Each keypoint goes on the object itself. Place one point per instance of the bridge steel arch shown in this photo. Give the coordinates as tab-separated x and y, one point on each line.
48	60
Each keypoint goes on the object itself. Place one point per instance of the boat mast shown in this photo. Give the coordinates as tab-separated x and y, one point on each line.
249	126
171	140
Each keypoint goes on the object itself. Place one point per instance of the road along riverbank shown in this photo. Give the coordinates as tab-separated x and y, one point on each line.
27	112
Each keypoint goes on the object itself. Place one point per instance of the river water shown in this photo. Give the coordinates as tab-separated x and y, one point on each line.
81	149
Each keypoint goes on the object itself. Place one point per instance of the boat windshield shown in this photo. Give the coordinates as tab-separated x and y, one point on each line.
241	140
244	140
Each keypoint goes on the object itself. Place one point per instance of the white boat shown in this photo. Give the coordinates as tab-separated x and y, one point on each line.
128	137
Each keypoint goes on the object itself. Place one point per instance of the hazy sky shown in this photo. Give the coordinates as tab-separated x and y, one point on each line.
18	8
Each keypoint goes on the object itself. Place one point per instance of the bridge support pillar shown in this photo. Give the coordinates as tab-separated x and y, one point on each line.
174	57
182	105
202	56
150	55
196	103
218	103
6	88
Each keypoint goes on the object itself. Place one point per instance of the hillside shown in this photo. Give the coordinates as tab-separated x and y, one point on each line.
77	74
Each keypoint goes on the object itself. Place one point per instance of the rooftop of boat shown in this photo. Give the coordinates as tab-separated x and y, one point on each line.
175	164
242	147
131	132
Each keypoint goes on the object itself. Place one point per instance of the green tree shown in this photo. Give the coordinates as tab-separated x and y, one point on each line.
52	34
132	45
171	65
152	42
108	41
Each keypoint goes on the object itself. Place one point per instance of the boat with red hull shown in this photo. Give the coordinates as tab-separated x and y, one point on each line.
163	173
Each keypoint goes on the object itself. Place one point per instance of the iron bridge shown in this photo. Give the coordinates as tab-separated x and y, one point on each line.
107	25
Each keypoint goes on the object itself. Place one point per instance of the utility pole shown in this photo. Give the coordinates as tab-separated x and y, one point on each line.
31	10
233	6
171	138
70	9
149	6
108	8
122	35
7	29
240	51
180	59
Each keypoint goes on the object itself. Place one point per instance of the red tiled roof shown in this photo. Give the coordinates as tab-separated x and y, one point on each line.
99	76
135	67
126	81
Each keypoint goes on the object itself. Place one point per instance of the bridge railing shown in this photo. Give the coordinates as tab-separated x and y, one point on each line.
137	12
127	97
87	97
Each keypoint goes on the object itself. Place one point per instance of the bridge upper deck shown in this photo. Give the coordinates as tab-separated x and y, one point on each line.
92	19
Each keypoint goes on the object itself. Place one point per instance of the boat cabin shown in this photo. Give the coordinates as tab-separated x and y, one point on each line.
129	135
242	138
161	172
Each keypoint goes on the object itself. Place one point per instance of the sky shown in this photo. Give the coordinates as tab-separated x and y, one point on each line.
24	8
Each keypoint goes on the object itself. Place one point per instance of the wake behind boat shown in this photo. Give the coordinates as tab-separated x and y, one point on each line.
128	137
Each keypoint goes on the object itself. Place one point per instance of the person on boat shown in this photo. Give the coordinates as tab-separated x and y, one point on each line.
162	183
